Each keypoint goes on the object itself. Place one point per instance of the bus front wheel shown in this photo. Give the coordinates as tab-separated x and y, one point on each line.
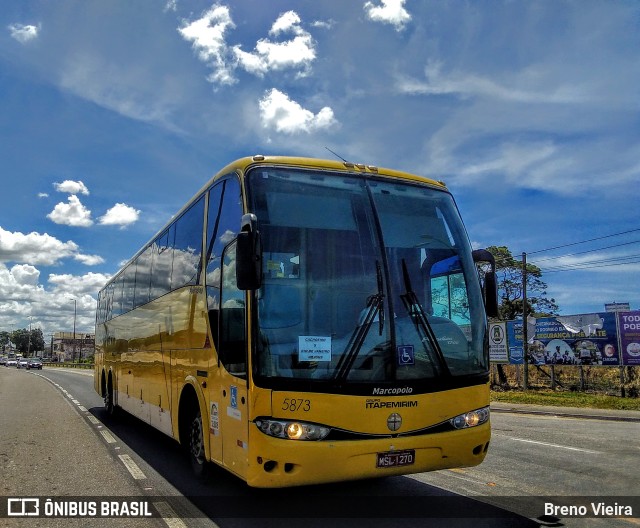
196	445
108	400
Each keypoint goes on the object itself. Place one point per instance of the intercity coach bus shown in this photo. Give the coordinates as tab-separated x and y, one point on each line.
303	321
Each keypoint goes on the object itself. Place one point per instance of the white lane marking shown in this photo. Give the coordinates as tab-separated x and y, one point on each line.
169	516
93	419
108	437
133	468
547	444
82	408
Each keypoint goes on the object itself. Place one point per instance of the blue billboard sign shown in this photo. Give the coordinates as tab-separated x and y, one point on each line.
587	339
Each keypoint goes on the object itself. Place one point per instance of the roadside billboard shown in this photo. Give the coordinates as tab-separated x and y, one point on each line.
586	339
514	339
629	325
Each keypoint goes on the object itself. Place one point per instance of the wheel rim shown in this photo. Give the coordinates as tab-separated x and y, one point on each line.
197	442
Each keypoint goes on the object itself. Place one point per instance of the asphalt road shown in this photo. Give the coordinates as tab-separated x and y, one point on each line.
55	439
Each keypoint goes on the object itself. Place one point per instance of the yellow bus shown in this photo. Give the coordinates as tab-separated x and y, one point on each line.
303	321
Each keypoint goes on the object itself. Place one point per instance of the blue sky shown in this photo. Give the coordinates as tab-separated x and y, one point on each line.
114	113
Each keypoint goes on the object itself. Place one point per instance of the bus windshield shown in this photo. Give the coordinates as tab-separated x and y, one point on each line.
365	281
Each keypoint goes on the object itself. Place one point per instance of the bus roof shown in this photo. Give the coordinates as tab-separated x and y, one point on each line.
244	164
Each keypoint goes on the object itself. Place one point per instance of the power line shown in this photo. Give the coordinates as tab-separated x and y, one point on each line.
600	263
583	241
593	263
557	270
588	251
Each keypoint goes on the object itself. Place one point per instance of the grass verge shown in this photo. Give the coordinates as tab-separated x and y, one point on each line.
566	399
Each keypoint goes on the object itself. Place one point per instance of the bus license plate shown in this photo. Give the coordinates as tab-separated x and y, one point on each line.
396	458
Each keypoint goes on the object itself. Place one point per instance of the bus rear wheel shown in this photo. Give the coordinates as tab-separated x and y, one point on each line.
196	446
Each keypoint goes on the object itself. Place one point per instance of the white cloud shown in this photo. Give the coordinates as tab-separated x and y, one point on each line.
34	248
24	33
120	214
390	12
207	35
171	5
72	213
87	284
514	160
89	260
289	21
71	187
51	308
18	286
43	195
324	24
537	89
287	116
129	91
299	52
25	274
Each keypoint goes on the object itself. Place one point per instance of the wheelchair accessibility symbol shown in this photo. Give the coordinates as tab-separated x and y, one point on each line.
406	355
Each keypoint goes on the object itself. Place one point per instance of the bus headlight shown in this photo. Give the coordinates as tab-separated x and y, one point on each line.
292	430
471	419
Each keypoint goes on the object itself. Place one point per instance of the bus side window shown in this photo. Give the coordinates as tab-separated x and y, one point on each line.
162	260
212	260
223	222
232	338
117	295
187	248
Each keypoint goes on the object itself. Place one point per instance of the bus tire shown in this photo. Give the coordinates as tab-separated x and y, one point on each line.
109	405
195	446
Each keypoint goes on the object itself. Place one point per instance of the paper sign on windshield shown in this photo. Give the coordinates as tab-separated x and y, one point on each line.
314	348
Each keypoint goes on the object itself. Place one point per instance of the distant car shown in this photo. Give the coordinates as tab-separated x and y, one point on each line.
23	363
11	363
3	360
34	363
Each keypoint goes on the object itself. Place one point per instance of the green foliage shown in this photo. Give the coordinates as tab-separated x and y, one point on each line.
27	342
4	340
509	274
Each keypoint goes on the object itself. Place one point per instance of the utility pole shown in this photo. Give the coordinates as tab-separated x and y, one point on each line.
75	307
525	336
51	347
29	341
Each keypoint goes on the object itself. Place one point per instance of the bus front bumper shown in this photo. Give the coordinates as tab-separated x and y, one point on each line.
276	462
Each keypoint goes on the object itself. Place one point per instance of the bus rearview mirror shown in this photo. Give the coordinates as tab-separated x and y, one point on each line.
248	260
490	286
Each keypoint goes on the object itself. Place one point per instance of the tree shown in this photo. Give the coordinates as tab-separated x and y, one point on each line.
510	291
28	341
4	339
37	340
509	275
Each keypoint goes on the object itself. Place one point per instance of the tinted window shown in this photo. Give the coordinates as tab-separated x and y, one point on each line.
143	277
117	295
109	301
232	317
223	223
187	248
162	255
129	286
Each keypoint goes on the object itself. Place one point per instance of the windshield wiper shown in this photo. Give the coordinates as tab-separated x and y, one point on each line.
375	306
419	318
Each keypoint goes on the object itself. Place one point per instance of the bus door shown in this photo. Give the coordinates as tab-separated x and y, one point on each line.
229	402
